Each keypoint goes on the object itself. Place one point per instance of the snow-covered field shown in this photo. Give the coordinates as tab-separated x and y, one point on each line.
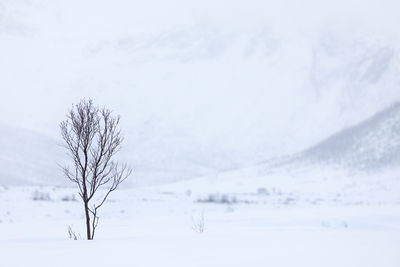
307	218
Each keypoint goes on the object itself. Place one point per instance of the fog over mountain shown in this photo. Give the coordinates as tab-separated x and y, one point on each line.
201	86
370	145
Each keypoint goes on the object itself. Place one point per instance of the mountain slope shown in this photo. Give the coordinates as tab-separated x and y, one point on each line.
201	86
370	145
27	157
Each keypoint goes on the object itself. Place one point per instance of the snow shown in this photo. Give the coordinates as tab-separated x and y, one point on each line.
308	218
272	124
202	86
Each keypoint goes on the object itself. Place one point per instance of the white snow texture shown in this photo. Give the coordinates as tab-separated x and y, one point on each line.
275	125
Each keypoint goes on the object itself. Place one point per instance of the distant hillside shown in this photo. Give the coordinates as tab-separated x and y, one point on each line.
202	87
372	144
27	157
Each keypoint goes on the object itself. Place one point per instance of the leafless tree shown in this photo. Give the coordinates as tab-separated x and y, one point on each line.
92	138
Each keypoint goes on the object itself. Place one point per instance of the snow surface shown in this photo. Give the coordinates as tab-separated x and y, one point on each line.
281	219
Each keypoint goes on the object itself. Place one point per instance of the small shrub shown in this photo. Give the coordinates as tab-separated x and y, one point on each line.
198	224
219	199
262	191
41	196
72	235
71	197
188	192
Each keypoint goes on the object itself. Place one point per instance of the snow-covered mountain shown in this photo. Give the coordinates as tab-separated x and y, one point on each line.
369	145
28	157
202	86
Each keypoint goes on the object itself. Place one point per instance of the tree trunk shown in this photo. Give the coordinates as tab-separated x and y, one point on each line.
88	234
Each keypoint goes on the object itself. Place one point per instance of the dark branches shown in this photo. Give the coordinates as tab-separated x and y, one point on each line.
92	138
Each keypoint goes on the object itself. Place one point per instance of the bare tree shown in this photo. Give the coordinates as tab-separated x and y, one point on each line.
92	138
